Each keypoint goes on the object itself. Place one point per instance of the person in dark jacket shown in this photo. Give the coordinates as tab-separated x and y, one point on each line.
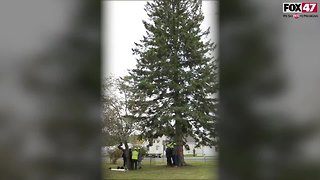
130	159
169	155
140	158
175	155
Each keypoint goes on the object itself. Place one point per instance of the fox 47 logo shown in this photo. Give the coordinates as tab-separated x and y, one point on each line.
304	7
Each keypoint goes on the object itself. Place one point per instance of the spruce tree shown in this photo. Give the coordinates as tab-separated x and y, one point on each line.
175	81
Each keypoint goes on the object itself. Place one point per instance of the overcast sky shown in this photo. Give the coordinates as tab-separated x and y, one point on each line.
122	26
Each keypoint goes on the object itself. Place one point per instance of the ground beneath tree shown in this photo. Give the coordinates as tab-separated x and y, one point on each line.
158	170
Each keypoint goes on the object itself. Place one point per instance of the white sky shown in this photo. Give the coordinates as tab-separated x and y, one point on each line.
122	26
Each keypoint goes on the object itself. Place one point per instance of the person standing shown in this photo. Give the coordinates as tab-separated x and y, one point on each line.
139	158
135	155
175	155
169	155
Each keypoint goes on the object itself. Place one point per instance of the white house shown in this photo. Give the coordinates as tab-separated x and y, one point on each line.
158	147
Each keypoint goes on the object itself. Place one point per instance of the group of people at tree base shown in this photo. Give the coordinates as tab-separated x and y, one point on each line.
174	154
135	158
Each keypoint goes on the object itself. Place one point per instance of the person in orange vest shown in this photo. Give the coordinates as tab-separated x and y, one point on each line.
134	158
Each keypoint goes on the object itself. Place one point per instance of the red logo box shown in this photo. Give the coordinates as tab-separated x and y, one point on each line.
309	7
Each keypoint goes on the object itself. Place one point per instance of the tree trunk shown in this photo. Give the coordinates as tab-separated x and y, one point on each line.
183	163
179	141
128	162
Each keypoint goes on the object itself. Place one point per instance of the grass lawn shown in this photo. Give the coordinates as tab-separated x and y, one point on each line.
158	170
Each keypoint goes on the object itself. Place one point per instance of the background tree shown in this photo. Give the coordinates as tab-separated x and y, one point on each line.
114	154
117	121
175	81
108	139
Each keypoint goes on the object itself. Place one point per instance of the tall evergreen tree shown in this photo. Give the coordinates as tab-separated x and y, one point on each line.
175	81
